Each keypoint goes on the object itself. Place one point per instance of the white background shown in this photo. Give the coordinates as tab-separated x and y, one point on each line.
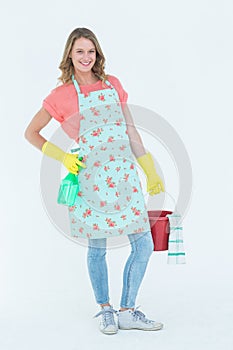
173	57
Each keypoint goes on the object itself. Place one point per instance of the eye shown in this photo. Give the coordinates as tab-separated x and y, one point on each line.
80	51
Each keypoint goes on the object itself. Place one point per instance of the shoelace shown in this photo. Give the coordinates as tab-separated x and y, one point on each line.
140	315
108	315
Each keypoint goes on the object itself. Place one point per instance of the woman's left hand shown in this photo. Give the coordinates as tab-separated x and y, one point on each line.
154	184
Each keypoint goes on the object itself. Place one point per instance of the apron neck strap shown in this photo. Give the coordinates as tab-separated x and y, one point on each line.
78	88
76	84
109	84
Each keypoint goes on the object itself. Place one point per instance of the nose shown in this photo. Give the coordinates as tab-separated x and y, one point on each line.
86	56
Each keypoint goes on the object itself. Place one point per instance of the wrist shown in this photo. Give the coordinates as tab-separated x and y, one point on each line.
53	151
147	164
61	155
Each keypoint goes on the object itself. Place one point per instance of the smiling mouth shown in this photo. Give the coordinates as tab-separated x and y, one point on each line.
85	64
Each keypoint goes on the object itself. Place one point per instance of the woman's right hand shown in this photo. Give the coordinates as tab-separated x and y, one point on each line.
72	163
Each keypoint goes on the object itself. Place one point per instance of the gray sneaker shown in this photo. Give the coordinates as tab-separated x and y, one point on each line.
107	323
129	319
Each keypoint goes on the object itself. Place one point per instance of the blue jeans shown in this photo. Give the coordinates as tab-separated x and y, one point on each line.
141	249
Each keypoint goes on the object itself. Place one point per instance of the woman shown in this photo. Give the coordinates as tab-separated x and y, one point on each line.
110	201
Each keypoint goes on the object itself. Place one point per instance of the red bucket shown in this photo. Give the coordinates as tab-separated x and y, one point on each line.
160	228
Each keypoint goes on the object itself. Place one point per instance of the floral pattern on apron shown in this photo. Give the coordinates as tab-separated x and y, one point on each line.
110	201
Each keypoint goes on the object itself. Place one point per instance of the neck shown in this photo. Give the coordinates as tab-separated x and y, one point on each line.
85	78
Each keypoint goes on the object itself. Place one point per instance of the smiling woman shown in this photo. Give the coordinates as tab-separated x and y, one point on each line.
110	201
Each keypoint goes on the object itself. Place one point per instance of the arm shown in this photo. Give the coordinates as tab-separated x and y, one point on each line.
134	137
154	182
38	122
32	134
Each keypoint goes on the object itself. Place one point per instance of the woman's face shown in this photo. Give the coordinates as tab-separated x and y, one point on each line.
83	54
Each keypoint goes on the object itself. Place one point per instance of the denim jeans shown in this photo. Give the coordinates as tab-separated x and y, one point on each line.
141	249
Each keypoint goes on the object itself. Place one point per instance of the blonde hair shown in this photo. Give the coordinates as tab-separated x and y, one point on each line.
66	65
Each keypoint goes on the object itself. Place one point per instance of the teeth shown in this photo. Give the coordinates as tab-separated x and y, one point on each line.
85	64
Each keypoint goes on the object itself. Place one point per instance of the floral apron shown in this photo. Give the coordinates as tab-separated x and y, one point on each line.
110	201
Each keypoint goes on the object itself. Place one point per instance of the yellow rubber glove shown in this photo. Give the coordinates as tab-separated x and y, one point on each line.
70	161
154	182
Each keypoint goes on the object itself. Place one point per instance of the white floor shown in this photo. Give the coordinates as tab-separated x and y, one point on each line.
194	316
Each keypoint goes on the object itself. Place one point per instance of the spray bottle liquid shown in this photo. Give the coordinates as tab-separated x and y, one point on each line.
69	188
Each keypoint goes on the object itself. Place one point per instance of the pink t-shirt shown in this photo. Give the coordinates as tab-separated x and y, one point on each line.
62	103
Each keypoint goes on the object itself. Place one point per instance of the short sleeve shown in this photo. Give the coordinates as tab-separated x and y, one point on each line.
62	105
51	104
123	95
